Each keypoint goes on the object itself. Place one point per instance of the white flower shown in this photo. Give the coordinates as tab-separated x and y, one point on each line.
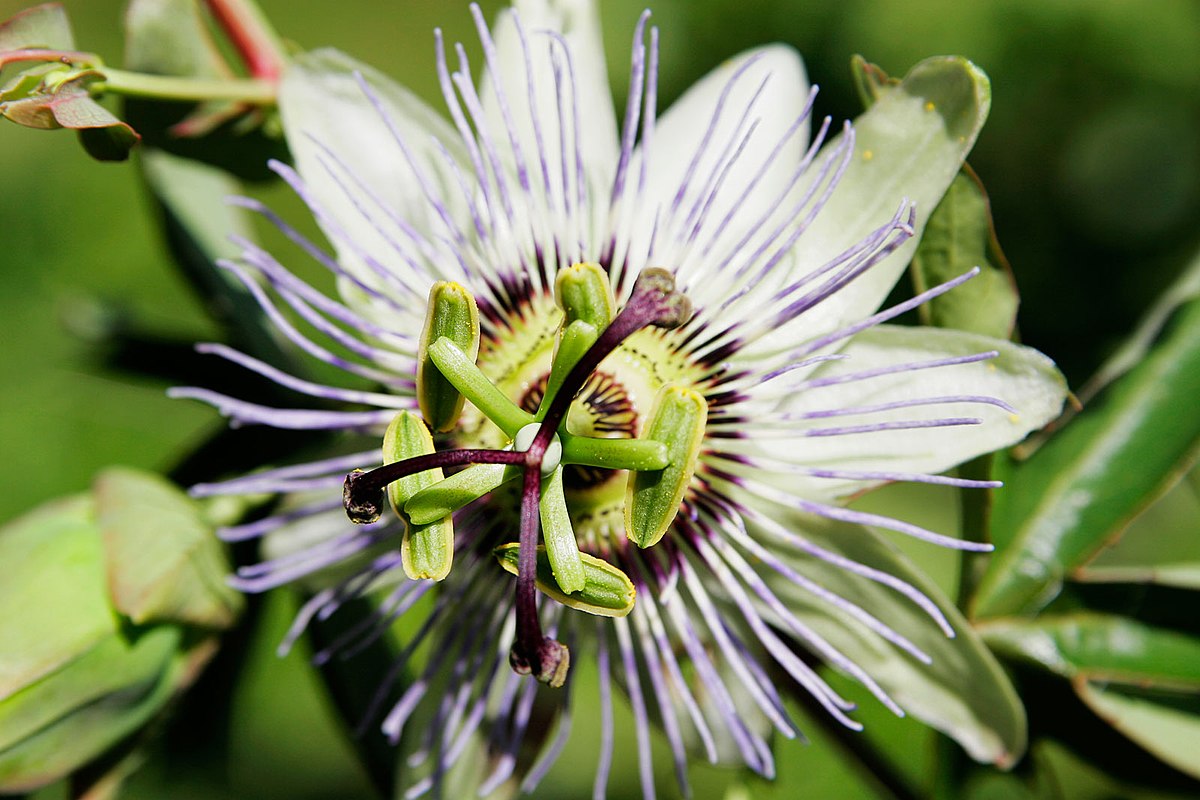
785	243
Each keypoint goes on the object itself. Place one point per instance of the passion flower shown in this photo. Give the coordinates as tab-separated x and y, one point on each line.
638	369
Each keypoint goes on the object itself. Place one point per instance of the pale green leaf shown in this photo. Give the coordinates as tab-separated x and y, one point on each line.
957	238
163	559
45	26
1169	731
53	599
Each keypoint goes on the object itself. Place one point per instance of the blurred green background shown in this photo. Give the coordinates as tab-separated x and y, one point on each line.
1091	157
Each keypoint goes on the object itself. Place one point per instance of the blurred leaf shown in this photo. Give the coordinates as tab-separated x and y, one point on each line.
198	224
964	692
40	26
958	237
1100	647
68	104
1185	288
60	723
164	561
49	554
1160	546
1090	480
1144	681
77	675
170	37
1062	774
996	786
1168	730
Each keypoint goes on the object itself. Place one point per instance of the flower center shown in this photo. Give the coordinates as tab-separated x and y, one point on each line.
614	403
564	385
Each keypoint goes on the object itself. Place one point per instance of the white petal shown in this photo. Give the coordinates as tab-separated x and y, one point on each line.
1019	377
355	169
542	93
719	160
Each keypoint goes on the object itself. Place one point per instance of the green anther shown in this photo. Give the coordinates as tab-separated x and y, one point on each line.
452	314
584	293
638	454
652	498
460	370
607	591
427	549
559	536
575	340
456	491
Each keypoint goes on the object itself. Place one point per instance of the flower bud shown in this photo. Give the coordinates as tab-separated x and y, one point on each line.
109	608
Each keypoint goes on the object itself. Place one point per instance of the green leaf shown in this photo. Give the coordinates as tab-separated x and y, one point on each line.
100	700
1100	647
1159	546
171	37
963	692
50	554
197	222
958	237
1142	680
44	26
1085	485
909	144
1168	730
163	559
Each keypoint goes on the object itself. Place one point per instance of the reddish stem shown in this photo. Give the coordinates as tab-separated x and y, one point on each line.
255	43
42	54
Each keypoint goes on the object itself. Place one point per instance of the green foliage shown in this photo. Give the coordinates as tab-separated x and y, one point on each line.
112	612
1081	489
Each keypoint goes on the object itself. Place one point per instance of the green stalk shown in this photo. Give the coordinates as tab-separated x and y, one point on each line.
165	87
